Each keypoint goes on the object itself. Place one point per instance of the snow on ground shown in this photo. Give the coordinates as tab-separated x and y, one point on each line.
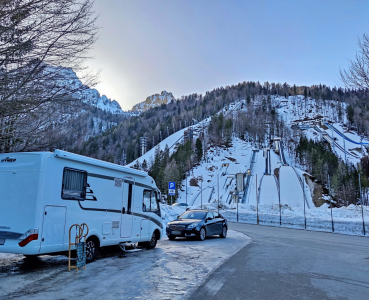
169	213
268	191
170	271
291	191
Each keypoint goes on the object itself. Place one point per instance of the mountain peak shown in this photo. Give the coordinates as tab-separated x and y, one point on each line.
153	101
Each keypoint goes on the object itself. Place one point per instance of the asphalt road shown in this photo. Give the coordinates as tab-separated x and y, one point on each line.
282	263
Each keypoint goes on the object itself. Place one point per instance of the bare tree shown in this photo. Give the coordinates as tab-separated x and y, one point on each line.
42	44
357	75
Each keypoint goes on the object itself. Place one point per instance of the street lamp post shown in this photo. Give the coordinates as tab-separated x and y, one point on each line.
218	193
330	197
237	203
361	201
201	192
186	187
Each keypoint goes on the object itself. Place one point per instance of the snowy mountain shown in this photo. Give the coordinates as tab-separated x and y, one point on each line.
153	101
88	95
92	97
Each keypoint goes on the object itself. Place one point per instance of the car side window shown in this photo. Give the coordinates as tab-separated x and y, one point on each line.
210	215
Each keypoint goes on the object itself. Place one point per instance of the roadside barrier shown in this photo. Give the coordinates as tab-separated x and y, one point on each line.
347	221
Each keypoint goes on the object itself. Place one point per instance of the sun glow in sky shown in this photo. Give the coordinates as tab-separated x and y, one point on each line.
186	47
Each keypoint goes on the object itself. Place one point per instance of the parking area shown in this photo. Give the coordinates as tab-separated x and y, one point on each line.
169	271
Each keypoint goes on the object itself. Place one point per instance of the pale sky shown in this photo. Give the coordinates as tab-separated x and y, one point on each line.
188	46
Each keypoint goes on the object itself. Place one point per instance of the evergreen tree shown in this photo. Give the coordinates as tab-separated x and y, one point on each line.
198	149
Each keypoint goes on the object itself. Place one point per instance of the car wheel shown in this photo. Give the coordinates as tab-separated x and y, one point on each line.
171	237
202	234
92	249
224	232
152	243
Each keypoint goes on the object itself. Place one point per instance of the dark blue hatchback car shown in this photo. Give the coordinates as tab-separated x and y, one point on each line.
197	223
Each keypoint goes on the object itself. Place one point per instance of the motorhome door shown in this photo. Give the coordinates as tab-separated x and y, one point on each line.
53	228
127	203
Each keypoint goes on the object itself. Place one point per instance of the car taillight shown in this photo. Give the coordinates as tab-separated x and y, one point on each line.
30	235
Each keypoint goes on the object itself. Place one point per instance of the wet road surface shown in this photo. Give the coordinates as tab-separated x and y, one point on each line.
282	263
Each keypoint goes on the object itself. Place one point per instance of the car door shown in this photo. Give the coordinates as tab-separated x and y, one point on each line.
218	223
210	223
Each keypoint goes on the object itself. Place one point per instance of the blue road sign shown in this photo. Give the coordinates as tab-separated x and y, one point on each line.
171	188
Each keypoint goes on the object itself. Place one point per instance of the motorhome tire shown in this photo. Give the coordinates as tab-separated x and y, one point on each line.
92	248
152	243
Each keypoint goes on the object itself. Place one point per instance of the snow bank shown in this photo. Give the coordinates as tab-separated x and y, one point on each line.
169	213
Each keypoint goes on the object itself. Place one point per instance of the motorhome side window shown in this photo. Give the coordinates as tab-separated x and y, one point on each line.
149	201
74	184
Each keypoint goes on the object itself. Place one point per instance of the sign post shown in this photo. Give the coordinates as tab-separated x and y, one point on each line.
171	190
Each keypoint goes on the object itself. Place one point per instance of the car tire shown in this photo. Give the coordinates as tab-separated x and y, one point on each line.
152	243
224	232
202	234
92	249
171	237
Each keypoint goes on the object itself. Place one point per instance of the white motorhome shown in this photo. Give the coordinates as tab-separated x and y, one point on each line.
42	194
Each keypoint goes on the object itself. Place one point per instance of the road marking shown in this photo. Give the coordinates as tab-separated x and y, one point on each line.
217	282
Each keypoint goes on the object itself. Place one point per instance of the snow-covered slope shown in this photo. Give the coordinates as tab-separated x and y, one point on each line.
153	101
314	114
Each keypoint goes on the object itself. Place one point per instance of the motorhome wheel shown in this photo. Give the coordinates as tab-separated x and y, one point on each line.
152	243
91	249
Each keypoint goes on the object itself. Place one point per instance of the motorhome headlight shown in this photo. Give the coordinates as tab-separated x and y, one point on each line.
30	235
192	225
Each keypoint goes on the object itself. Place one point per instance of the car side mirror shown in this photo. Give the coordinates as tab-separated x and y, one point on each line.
208	219
178	216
